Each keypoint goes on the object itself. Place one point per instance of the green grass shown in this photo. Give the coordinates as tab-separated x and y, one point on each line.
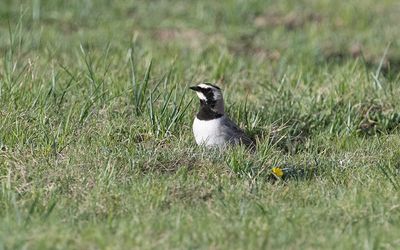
96	148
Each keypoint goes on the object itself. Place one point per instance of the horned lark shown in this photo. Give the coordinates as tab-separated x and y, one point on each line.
211	126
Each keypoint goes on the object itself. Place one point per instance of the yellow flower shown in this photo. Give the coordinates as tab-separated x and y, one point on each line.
277	171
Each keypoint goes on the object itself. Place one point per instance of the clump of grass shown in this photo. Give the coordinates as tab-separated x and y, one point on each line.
139	88
169	116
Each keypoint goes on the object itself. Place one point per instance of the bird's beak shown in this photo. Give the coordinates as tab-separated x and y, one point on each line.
195	88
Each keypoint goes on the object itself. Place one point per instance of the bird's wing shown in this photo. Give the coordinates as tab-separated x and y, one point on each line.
235	134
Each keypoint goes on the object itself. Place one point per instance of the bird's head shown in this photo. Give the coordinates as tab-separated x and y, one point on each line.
210	96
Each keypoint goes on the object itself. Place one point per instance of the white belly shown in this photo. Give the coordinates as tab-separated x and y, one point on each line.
208	133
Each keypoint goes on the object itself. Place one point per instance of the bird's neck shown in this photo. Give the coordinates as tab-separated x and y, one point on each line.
206	112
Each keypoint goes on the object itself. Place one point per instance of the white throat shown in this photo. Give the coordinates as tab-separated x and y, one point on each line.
201	96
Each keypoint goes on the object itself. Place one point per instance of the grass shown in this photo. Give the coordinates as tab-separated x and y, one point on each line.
96	149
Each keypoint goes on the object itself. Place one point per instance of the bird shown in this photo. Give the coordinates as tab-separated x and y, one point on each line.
211	126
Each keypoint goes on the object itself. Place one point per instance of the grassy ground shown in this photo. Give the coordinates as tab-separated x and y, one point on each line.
96	149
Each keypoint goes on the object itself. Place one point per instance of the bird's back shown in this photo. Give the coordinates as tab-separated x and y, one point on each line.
234	134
